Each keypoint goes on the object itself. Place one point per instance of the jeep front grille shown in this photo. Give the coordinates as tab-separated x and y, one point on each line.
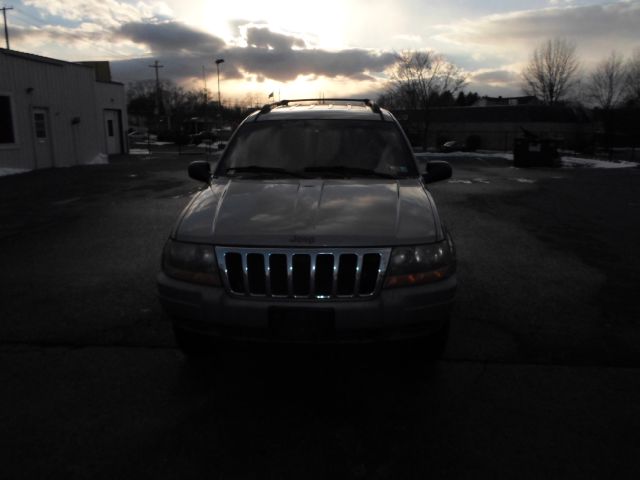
303	273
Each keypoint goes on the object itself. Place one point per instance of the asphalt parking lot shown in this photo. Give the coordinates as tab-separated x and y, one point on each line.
540	378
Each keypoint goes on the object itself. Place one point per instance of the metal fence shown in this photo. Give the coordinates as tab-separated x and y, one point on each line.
149	145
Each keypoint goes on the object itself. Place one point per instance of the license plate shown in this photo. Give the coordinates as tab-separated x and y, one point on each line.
301	323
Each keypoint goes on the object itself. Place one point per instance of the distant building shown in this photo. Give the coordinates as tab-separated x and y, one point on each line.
497	127
101	69
58	114
506	101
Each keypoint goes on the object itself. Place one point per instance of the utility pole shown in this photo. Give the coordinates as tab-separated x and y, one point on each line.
157	109
6	27
218	62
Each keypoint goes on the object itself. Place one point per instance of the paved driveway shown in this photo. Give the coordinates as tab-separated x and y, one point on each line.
540	377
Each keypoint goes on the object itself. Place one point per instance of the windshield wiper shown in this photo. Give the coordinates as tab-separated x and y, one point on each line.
341	169
261	169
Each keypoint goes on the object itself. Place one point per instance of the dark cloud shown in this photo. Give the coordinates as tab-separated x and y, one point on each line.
170	37
284	65
262	64
22	33
589	25
263	37
270	55
56	34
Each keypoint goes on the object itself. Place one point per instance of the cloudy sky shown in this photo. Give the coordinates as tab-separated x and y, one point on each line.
333	47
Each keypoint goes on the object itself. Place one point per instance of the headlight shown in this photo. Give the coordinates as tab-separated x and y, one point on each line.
421	264
191	262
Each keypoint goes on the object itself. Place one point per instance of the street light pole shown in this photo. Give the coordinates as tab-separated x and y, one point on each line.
218	62
204	77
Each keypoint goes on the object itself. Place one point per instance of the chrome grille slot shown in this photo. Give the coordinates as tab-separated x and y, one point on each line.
303	273
369	272
255	273
278	267
235	276
324	275
347	274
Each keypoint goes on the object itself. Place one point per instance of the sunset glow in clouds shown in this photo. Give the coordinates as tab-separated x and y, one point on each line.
304	48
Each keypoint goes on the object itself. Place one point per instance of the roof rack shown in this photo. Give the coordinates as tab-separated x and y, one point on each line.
282	103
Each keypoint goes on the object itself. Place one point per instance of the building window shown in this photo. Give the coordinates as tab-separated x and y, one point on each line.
110	127
40	126
7	133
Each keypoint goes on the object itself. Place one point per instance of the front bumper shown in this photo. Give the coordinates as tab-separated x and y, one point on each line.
395	314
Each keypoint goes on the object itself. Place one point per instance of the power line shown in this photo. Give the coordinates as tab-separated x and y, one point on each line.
6	27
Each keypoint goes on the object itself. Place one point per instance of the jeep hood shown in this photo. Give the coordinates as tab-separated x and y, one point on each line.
313	213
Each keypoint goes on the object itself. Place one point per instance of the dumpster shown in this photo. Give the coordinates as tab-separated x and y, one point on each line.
533	152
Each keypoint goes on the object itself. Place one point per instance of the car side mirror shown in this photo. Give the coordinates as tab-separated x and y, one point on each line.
200	170
437	170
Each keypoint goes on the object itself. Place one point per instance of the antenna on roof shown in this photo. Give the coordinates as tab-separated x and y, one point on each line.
375	108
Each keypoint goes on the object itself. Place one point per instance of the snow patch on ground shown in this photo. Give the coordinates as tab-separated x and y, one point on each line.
211	145
574	162
12	171
99	159
567	161
152	142
478	155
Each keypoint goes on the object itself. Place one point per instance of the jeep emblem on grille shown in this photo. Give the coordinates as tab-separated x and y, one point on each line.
302	239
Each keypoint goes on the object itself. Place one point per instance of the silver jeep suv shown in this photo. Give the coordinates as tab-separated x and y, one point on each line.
314	226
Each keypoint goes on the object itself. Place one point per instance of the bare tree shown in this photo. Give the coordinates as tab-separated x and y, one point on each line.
552	71
177	104
140	88
253	99
418	80
606	84
418	77
632	79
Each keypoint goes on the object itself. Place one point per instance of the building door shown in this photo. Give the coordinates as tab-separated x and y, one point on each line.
42	145
113	131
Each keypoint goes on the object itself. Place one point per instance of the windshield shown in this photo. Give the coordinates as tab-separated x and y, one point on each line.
319	148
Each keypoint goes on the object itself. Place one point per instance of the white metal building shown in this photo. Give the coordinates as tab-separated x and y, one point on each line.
58	114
